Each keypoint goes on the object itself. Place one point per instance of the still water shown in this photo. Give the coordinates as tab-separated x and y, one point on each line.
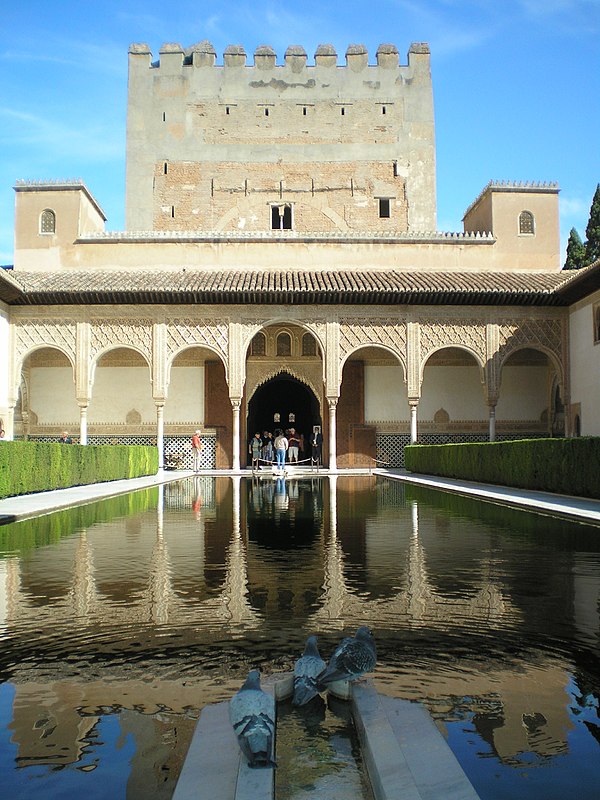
120	620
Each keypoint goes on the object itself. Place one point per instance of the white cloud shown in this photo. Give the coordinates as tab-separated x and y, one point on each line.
21	130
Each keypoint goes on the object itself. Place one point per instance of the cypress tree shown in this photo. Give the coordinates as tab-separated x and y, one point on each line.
576	256
592	232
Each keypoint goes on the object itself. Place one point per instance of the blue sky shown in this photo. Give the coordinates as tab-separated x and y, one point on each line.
516	86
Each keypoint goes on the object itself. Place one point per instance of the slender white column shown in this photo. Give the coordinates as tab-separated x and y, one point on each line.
413	423
332	434
160	434
492	423
9	423
236	435
83	423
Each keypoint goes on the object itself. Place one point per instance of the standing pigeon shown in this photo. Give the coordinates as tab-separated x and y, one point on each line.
251	712
354	656
306	671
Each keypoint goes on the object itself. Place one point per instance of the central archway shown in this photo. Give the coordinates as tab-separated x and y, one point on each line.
287	397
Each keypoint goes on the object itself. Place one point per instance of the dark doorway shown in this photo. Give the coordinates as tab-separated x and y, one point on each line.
283	395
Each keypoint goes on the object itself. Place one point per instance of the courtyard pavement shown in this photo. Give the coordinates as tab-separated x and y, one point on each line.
582	509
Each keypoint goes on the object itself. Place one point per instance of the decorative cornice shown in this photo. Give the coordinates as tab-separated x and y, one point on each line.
425	237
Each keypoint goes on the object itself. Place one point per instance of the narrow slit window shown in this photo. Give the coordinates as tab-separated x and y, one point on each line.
384	208
165	168
227	109
383	109
164	116
173	212
343	111
266	112
304	111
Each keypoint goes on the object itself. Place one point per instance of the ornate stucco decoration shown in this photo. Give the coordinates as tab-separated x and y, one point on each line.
32	334
183	333
110	333
369	331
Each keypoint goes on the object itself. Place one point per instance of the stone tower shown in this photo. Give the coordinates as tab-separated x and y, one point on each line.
297	147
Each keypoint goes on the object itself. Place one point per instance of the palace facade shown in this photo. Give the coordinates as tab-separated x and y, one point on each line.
281	268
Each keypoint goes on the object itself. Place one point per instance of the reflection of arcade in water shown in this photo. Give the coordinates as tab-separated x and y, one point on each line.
224	572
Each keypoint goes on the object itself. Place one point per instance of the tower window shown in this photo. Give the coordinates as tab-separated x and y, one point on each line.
383	109
281	217
343	111
258	346
227	109
526	223
384	208
165	168
48	221
266	112
284	344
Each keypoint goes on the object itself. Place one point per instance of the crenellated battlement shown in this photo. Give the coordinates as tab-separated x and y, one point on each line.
203	54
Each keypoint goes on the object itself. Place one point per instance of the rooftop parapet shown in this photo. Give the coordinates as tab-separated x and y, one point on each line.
59	185
536	187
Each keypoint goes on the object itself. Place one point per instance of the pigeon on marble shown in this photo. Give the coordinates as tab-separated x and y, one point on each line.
353	657
306	671
251	714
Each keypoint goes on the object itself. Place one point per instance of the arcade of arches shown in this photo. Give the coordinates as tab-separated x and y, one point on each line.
372	382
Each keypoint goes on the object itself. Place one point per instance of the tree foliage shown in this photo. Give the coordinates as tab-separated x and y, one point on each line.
580	254
592	232
576	255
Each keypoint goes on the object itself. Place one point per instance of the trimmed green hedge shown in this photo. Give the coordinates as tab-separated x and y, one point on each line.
27	467
564	466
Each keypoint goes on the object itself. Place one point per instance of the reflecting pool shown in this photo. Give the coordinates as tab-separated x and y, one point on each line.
120	620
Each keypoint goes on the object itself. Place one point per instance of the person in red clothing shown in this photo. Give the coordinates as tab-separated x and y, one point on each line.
196	450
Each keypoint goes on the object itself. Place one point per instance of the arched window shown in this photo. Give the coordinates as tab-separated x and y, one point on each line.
284	344
526	223
309	345
281	217
48	221
258	347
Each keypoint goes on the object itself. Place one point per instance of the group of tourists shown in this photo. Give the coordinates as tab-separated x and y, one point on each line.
276	448
283	447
